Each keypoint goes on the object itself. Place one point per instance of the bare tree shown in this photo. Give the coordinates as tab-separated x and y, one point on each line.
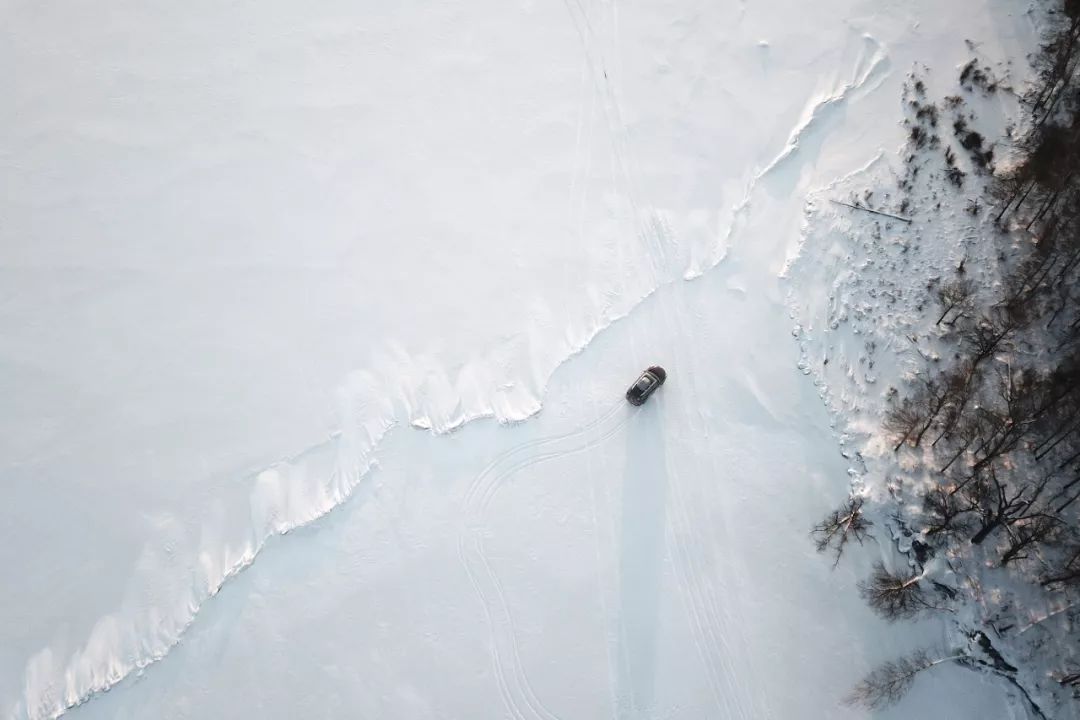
1067	494
1021	400
1003	504
892	596
841	526
955	294
945	514
887	683
933	397
904	419
1055	66
983	337
1063	428
1066	573
1027	533
966	429
959	384
1010	186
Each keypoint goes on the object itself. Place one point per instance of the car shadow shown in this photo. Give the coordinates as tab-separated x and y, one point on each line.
641	554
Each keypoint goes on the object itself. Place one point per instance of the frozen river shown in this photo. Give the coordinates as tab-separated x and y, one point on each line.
251	254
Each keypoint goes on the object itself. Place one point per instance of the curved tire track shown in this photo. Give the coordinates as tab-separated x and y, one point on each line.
517	692
492	472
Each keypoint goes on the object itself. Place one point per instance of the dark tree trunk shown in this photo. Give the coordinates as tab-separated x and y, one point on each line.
986	529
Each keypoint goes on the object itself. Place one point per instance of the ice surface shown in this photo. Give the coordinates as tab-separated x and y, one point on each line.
246	249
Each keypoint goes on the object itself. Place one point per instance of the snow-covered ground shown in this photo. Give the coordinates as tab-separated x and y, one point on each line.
875	330
250	252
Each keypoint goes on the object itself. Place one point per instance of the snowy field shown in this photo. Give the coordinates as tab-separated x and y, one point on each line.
314	329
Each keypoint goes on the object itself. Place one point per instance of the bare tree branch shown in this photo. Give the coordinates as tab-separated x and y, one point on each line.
840	526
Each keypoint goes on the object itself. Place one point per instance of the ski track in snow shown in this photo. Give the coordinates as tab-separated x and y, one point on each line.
305	488
647	221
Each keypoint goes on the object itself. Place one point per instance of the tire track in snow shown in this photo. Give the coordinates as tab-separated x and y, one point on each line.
721	623
496	656
485	478
698	598
535	704
698	595
712	649
701	600
516	689
497	481
599	537
706	615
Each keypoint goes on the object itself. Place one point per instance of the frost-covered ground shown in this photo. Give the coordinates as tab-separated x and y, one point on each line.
243	248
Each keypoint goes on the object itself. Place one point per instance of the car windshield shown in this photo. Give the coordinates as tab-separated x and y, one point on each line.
644	383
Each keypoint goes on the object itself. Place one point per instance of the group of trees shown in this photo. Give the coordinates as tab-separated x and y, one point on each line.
1001	431
996	428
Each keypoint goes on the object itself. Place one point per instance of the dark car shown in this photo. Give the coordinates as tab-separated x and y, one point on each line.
646	385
